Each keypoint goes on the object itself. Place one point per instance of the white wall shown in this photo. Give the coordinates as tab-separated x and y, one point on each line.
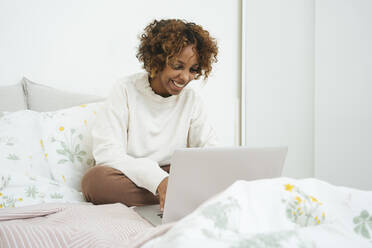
85	46
280	79
343	120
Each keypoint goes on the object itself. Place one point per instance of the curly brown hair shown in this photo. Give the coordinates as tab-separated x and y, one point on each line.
163	40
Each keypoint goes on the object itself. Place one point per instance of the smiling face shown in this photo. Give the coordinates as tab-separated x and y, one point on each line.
177	74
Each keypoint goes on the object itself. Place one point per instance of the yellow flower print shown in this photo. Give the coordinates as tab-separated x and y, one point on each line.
83	105
317	220
64	179
302	209
20	199
42	144
289	187
46	155
61	129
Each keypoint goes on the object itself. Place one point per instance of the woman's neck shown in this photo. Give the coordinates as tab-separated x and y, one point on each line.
156	86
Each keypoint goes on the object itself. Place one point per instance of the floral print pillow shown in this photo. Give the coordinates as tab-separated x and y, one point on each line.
21	144
17	190
66	140
22	162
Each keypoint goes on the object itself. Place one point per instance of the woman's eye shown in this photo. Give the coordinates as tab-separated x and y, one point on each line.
194	70
177	67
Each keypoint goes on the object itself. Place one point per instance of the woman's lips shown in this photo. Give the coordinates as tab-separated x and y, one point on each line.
178	85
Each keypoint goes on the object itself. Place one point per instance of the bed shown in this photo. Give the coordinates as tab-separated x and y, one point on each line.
45	149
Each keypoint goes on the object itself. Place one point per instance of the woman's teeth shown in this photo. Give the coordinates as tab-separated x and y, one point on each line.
178	85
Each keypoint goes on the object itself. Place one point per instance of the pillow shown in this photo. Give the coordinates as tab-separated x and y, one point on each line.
21	147
17	190
12	98
67	141
43	98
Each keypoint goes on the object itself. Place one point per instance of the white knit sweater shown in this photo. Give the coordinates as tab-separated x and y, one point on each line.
138	130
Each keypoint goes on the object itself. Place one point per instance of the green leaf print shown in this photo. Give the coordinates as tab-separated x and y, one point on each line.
363	223
218	212
62	152
70	149
77	148
369	222
64	146
71	157
364	214
31	191
62	161
10	201
364	232
272	240
56	196
356	220
82	153
13	157
4	181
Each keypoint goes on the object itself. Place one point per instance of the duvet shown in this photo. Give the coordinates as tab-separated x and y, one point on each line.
276	213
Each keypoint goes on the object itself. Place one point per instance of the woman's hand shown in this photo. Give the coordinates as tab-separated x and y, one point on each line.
162	190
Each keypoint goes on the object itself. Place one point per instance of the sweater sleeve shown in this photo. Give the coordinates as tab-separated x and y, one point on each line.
201	132
109	134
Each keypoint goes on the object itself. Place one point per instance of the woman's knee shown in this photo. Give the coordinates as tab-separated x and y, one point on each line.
93	182
104	185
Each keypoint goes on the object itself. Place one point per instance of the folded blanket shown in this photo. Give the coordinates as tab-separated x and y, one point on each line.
70	225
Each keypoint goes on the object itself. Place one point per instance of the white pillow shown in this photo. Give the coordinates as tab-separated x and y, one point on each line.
21	146
67	142
12	98
18	190
43	98
24	173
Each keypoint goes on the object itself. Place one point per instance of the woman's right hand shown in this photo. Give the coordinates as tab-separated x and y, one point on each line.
162	190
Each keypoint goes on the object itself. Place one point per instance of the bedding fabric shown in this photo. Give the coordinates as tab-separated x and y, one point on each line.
70	225
267	213
273	213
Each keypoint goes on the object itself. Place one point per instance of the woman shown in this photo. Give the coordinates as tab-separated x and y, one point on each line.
149	115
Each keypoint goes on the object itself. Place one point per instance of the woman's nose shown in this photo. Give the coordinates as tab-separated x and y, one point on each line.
185	76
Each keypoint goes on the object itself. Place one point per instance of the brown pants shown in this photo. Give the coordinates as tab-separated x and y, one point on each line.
104	185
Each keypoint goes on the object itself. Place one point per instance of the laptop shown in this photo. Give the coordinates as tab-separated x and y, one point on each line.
197	174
